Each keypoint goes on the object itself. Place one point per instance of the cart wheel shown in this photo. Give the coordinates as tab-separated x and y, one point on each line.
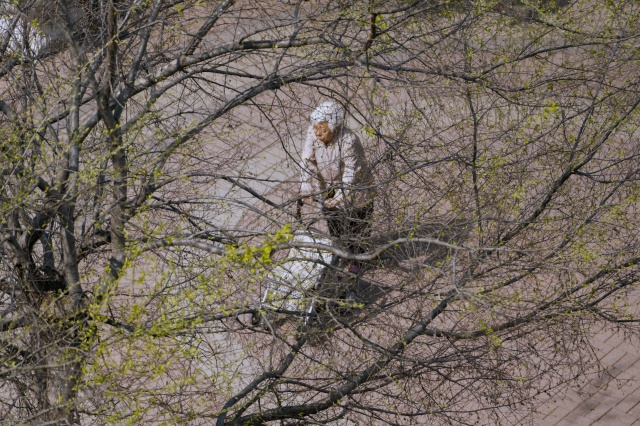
314	332
264	320
256	318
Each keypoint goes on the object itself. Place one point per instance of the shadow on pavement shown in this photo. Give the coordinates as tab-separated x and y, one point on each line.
423	252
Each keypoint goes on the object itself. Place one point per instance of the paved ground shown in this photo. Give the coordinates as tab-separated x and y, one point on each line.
610	398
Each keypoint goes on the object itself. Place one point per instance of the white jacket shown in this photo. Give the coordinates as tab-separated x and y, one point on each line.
341	166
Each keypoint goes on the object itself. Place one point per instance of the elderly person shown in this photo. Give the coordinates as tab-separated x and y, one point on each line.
335	174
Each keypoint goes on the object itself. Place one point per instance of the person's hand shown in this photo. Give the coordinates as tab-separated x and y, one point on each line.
332	203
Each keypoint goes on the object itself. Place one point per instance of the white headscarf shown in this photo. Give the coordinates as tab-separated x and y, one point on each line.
329	112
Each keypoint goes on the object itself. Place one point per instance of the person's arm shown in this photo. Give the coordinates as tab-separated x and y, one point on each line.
353	161
309	169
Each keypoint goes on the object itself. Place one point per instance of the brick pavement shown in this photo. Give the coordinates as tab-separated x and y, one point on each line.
611	398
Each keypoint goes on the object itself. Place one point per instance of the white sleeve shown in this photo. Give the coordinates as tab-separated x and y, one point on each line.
309	169
352	157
